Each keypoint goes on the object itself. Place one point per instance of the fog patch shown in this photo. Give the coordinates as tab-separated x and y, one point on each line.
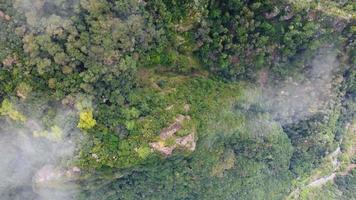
25	157
298	98
47	14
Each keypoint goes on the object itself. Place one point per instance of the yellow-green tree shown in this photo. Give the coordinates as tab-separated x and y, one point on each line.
86	120
8	109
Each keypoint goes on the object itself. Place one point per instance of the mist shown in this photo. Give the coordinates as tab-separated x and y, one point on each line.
298	98
35	165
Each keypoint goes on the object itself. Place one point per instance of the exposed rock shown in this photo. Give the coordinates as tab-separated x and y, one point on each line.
186	142
4	16
172	129
272	14
289	14
159	146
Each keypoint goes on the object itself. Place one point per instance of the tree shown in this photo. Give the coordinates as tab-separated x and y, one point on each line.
86	120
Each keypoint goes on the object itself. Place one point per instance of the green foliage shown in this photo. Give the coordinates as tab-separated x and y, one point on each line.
342	188
8	109
256	159
86	120
55	134
241	37
144	152
23	90
131	67
309	154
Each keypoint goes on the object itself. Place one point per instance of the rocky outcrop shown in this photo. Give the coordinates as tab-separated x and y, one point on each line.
168	136
289	13
160	147
4	16
187	142
272	14
170	131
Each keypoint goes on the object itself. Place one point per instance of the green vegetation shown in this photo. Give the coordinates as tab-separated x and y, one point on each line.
341	189
55	134
126	71
86	120
7	109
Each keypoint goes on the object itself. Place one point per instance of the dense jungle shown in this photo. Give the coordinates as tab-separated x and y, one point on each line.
177	99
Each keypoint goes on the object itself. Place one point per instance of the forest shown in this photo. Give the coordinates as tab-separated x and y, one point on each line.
177	99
